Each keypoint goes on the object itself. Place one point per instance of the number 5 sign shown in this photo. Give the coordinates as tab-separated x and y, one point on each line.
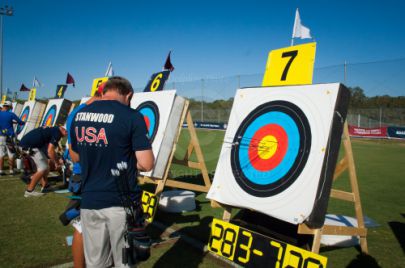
290	66
96	83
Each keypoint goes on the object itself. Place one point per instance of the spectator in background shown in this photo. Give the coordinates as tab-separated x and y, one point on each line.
7	136
42	143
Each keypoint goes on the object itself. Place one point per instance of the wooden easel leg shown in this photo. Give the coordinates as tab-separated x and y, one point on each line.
198	151
355	187
227	214
316	244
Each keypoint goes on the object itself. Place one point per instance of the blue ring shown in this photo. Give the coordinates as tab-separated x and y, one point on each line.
148	112
271	176
21	127
52	111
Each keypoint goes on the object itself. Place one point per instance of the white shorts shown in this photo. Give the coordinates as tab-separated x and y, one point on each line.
4	148
103	236
40	159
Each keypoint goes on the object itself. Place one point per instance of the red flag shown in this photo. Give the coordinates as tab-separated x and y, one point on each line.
70	80
168	64
24	88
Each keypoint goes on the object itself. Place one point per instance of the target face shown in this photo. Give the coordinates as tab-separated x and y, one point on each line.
24	117
271	148
150	113
49	117
161	111
275	155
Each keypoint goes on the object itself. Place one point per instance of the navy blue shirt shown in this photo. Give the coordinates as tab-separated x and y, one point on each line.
6	123
41	137
105	133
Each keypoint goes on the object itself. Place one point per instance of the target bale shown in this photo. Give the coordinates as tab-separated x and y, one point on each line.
31	115
56	112
162	112
280	151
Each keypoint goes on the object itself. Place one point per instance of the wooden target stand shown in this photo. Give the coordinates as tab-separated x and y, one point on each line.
193	146
346	163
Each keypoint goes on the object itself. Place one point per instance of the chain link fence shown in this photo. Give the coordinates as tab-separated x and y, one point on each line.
375	78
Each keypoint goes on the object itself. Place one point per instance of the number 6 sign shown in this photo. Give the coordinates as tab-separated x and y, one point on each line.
157	81
290	66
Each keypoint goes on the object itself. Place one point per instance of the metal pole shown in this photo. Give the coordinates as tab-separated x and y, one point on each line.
1	55
8	11
202	100
344	72
380	115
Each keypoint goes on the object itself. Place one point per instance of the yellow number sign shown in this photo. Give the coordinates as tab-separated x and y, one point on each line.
3	99
290	66
33	93
96	83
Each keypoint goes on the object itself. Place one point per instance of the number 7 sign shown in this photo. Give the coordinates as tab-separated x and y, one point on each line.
290	66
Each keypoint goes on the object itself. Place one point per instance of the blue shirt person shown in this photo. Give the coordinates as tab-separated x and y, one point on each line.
7	119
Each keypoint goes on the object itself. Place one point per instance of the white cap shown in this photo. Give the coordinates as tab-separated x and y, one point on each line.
7	103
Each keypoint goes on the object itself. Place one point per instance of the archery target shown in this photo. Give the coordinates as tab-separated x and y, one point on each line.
275	149
17	108
271	148
56	112
161	111
49	117
31	114
150	113
24	117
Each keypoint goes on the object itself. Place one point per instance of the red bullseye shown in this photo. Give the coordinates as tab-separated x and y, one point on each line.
268	147
147	122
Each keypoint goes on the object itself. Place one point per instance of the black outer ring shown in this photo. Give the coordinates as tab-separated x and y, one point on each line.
47	114
305	146
155	109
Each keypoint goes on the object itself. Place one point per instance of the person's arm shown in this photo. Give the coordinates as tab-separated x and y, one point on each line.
145	160
52	154
73	155
18	120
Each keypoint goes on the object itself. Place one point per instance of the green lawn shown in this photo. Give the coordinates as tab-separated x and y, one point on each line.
32	236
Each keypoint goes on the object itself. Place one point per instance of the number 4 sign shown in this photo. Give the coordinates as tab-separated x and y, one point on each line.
290	66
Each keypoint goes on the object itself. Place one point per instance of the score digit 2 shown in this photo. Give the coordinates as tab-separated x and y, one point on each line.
251	249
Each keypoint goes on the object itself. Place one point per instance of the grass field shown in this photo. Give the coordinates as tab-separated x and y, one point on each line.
32	236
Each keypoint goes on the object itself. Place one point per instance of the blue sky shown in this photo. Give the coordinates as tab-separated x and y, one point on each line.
209	39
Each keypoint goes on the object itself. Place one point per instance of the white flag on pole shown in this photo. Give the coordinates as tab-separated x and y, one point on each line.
110	71
299	30
36	83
